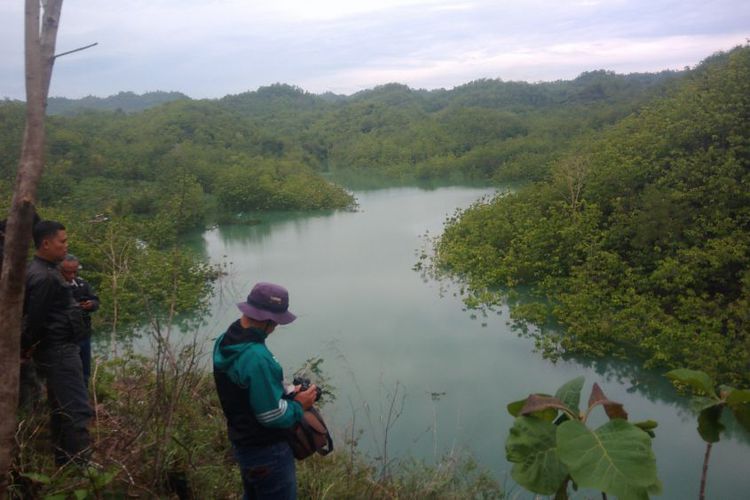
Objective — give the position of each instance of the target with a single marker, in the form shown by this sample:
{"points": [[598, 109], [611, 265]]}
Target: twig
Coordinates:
{"points": [[75, 50], [96, 404], [705, 471], [130, 477]]}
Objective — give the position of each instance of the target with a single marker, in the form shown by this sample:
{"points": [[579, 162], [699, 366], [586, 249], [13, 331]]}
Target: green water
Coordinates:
{"points": [[382, 330]]}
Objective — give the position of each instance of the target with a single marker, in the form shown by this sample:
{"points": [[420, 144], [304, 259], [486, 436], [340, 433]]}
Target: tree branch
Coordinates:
{"points": [[76, 50]]}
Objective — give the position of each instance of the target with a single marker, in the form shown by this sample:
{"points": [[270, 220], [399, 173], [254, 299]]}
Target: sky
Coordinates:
{"points": [[211, 48]]}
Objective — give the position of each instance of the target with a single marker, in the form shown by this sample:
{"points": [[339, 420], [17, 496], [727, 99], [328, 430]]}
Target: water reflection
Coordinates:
{"points": [[383, 330]]}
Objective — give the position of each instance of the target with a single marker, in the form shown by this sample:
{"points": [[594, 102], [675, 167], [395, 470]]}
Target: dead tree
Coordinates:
{"points": [[40, 37]]}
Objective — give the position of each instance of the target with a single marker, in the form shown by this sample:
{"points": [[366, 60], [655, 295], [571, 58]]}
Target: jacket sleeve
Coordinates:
{"points": [[93, 297], [39, 290], [266, 391]]}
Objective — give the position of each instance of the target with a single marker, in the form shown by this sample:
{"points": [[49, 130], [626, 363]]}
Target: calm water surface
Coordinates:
{"points": [[386, 335]]}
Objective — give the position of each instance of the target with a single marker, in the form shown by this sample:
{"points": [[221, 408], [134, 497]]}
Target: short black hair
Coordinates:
{"points": [[44, 230]]}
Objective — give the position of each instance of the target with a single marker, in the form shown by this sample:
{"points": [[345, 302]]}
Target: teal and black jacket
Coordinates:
{"points": [[249, 381]]}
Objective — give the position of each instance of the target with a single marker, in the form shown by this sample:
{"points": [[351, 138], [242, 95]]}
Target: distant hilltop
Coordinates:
{"points": [[127, 102], [588, 86]]}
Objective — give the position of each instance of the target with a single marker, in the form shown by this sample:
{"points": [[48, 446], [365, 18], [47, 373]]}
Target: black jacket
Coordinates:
{"points": [[51, 314], [82, 292]]}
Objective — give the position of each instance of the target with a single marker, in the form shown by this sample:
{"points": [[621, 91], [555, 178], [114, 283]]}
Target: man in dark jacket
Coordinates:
{"points": [[87, 301], [53, 326], [258, 408]]}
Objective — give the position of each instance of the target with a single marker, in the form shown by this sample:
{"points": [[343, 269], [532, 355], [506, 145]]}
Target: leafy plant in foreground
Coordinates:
{"points": [[710, 405], [550, 446]]}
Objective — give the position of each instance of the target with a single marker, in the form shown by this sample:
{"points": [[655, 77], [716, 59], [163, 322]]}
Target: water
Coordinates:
{"points": [[394, 345]]}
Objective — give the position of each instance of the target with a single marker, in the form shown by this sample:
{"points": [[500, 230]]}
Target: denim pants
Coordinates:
{"points": [[68, 398], [268, 472]]}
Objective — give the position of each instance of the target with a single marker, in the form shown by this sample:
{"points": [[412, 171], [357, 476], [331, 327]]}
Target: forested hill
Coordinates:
{"points": [[638, 243], [633, 230], [266, 149], [127, 102], [487, 129]]}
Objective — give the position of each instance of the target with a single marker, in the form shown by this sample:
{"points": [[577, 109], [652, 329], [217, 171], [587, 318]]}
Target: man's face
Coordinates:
{"points": [[55, 248], [69, 269]]}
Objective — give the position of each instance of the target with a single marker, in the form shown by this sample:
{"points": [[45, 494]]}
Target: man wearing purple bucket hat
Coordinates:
{"points": [[249, 381]]}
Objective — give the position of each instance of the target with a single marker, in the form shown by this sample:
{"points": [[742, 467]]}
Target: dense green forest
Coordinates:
{"points": [[636, 242], [627, 234], [127, 102], [631, 231], [266, 149]]}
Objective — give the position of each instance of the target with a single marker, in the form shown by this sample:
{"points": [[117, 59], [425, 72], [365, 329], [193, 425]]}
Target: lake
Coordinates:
{"points": [[387, 336]]}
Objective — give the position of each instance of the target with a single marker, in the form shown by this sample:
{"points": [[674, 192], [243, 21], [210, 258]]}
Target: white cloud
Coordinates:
{"points": [[207, 48], [556, 61]]}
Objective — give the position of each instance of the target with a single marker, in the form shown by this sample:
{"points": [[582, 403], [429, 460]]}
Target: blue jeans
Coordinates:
{"points": [[267, 471]]}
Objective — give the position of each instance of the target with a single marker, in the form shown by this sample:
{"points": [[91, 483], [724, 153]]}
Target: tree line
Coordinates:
{"points": [[635, 243]]}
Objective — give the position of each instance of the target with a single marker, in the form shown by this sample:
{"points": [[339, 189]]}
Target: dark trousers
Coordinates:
{"points": [[68, 398], [268, 472], [29, 389], [85, 346]]}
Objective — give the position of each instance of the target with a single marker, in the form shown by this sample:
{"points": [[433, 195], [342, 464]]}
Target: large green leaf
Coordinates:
{"points": [[615, 458], [532, 448], [709, 425], [570, 393], [698, 380]]}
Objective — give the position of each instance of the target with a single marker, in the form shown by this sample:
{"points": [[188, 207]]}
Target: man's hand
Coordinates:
{"points": [[307, 398]]}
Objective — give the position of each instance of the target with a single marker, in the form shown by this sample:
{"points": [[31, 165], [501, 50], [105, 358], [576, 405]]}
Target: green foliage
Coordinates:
{"points": [[134, 405], [711, 403], [172, 161], [570, 393], [700, 381], [118, 154], [532, 448], [140, 272], [637, 243], [122, 102], [615, 458], [276, 185]]}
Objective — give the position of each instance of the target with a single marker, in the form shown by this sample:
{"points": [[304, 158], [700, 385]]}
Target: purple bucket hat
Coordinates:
{"points": [[268, 302]]}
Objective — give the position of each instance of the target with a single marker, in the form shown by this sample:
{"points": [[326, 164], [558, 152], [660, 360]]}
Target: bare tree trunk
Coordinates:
{"points": [[40, 50], [571, 175]]}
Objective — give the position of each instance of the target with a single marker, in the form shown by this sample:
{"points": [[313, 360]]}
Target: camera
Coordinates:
{"points": [[304, 384]]}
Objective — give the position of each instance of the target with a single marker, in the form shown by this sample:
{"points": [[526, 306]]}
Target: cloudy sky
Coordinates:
{"points": [[210, 48]]}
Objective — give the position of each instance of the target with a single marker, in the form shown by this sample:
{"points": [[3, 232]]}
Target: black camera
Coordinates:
{"points": [[304, 384]]}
